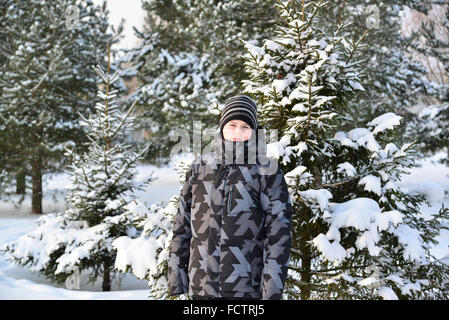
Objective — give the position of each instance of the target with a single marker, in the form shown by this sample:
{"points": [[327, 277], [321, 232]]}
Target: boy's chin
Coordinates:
{"points": [[235, 139]]}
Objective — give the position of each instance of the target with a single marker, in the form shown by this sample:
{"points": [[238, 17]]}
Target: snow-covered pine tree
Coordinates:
{"points": [[174, 92], [393, 78], [190, 60], [46, 80], [146, 256], [10, 171], [212, 28], [433, 128], [80, 238], [371, 240], [433, 124]]}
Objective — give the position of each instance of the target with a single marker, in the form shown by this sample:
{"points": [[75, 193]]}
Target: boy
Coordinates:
{"points": [[232, 233]]}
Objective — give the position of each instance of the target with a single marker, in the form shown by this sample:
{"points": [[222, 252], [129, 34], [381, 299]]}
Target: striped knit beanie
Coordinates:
{"points": [[239, 107]]}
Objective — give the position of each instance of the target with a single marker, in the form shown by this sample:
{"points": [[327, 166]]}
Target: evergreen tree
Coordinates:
{"points": [[190, 60], [46, 80], [371, 240], [393, 80], [175, 93], [4, 46], [80, 238], [6, 178], [433, 124]]}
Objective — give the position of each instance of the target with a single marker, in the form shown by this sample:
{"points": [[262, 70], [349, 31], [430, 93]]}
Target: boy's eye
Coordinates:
{"points": [[233, 125]]}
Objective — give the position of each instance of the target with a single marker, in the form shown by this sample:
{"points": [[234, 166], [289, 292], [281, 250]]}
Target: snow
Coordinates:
{"points": [[332, 251], [146, 251], [384, 122], [433, 191], [302, 93], [283, 84], [430, 111], [363, 137], [279, 148], [387, 293], [412, 242], [383, 219], [347, 168], [372, 184], [292, 177], [298, 24], [356, 85], [358, 137], [20, 283], [321, 197], [272, 46], [358, 213]]}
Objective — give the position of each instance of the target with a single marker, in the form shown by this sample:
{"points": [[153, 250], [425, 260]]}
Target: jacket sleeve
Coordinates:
{"points": [[275, 202], [179, 252]]}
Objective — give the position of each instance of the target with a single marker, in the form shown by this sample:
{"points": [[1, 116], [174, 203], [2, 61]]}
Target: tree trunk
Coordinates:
{"points": [[106, 277], [308, 232], [36, 198], [21, 182], [306, 259]]}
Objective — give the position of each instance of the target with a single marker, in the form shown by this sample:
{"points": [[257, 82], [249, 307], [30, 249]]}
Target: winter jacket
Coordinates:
{"points": [[232, 231]]}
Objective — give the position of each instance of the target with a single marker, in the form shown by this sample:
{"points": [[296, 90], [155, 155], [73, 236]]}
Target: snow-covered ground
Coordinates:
{"points": [[19, 283]]}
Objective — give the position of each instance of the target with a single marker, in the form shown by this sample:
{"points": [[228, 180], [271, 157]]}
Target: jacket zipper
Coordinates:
{"points": [[229, 200], [224, 191], [226, 179]]}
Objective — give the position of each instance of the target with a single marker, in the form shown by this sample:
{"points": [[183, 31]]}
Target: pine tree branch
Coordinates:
{"points": [[337, 184], [107, 94], [303, 11], [123, 122], [132, 161], [66, 93], [286, 9], [50, 68], [39, 83], [309, 111], [340, 12], [354, 48], [5, 52], [85, 178], [105, 163]]}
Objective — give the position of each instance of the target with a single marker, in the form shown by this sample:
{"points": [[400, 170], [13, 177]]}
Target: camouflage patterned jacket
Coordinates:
{"points": [[232, 232]]}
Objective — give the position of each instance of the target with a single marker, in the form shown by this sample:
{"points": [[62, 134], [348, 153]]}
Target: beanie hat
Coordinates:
{"points": [[239, 107]]}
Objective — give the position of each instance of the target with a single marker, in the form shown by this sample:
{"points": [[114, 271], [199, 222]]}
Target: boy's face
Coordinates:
{"points": [[237, 130]]}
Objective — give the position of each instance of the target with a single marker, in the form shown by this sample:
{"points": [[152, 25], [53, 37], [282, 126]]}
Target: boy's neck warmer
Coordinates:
{"points": [[239, 152], [236, 152]]}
